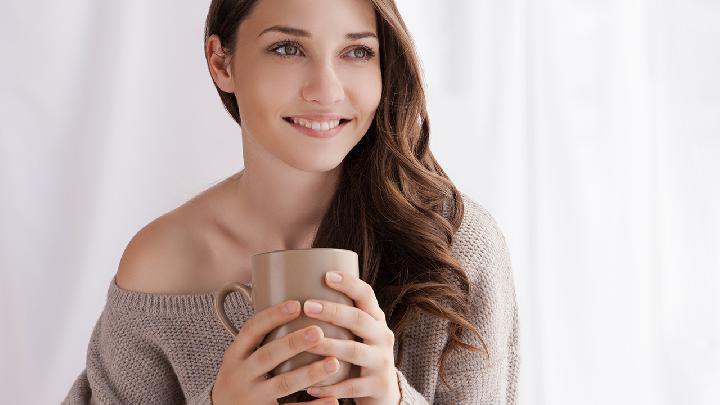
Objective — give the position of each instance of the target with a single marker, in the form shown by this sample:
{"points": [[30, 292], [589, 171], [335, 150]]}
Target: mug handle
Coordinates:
{"points": [[220, 303]]}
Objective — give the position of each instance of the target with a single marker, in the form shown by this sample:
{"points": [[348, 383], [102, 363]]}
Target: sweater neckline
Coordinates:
{"points": [[199, 303], [172, 304]]}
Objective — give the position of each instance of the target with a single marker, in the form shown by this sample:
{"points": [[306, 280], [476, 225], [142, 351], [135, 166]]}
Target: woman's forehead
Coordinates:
{"points": [[312, 17]]}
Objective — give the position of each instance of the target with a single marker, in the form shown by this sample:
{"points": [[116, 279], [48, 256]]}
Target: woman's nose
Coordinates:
{"points": [[324, 86]]}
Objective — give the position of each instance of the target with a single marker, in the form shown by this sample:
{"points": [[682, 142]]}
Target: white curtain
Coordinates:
{"points": [[589, 128]]}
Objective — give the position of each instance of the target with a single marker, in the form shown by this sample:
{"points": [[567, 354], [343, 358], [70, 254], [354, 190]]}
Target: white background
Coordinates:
{"points": [[589, 128]]}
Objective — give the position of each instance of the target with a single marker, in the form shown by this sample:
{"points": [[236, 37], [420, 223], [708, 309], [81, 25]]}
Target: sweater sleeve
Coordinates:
{"points": [[204, 397], [408, 394], [489, 375], [125, 364], [492, 377]]}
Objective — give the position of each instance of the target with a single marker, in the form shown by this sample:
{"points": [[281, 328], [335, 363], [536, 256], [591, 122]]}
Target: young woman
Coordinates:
{"points": [[329, 98]]}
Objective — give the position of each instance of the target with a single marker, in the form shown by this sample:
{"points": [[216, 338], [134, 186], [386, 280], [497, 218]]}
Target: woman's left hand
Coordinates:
{"points": [[378, 383]]}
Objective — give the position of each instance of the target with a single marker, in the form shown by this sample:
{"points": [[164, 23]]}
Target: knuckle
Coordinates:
{"points": [[248, 330], [237, 349], [294, 341], [355, 354], [390, 337], [317, 372], [283, 384], [377, 304], [368, 289], [264, 356], [358, 317], [351, 390], [320, 371], [250, 324]]}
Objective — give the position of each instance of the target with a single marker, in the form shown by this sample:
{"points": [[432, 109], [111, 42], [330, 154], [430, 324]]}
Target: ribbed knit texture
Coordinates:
{"points": [[167, 349]]}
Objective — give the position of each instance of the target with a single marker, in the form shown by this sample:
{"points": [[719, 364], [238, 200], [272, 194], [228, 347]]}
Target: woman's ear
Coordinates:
{"points": [[219, 64]]}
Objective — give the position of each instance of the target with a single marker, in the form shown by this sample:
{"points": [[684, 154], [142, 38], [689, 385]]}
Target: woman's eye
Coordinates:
{"points": [[290, 49], [362, 53]]}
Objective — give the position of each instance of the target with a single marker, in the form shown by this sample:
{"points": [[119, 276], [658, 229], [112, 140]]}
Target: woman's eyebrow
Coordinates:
{"points": [[302, 33]]}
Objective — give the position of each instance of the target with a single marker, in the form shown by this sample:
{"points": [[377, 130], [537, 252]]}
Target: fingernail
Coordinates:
{"points": [[311, 335], [291, 307], [313, 391], [330, 365], [313, 307], [333, 277]]}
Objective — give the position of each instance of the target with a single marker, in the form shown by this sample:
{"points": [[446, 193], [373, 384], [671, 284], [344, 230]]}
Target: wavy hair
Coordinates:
{"points": [[394, 205]]}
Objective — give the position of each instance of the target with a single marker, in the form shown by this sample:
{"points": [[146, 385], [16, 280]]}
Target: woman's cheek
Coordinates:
{"points": [[368, 90]]}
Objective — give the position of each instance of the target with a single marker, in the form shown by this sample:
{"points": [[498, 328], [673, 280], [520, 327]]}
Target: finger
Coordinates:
{"points": [[351, 318], [319, 401], [259, 325], [359, 291], [271, 354], [292, 381], [350, 388], [354, 352]]}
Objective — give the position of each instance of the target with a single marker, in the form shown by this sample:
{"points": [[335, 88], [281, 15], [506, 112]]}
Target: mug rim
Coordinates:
{"points": [[300, 249]]}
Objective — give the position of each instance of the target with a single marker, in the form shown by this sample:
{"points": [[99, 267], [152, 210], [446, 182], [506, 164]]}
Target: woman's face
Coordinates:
{"points": [[275, 75]]}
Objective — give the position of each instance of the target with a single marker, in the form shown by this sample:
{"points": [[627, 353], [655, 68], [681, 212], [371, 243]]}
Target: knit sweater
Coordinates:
{"points": [[167, 348]]}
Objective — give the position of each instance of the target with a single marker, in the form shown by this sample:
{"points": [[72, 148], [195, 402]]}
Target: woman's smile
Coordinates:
{"points": [[317, 129]]}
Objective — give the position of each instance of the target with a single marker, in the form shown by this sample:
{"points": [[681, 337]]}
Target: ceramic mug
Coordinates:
{"points": [[296, 274]]}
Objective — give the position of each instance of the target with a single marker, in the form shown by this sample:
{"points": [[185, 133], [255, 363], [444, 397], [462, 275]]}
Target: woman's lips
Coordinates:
{"points": [[318, 134]]}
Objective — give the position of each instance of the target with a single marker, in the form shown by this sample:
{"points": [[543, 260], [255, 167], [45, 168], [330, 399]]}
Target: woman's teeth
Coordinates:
{"points": [[317, 125]]}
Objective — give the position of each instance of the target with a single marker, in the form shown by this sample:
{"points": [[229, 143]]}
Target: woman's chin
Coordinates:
{"points": [[315, 164]]}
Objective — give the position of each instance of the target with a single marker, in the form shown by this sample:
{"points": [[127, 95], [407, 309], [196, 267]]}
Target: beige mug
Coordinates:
{"points": [[296, 274]]}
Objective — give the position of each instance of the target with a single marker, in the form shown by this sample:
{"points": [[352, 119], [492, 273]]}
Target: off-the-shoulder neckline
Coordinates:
{"points": [[170, 304], [202, 303]]}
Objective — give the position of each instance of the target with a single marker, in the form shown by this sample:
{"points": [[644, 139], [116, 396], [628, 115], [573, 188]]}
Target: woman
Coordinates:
{"points": [[329, 98]]}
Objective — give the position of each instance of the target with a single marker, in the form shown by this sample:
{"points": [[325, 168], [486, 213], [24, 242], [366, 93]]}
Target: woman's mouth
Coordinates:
{"points": [[317, 129]]}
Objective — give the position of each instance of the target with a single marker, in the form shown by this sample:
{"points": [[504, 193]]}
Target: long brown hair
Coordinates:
{"points": [[394, 205]]}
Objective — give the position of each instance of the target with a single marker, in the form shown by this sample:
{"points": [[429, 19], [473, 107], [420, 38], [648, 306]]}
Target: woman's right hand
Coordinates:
{"points": [[241, 378]]}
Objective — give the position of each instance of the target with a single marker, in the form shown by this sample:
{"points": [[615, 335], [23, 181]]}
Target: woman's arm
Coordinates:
{"points": [[124, 364], [472, 377]]}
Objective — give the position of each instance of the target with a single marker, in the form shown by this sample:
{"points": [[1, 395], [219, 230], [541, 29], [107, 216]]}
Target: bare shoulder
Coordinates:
{"points": [[162, 256], [184, 251]]}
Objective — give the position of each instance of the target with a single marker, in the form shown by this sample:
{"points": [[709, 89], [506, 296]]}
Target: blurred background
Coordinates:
{"points": [[590, 129]]}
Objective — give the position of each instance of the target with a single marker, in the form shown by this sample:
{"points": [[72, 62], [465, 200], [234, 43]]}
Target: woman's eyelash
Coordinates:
{"points": [[369, 53]]}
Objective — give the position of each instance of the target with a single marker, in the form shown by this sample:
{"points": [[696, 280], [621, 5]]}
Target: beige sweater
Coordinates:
{"points": [[167, 349]]}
